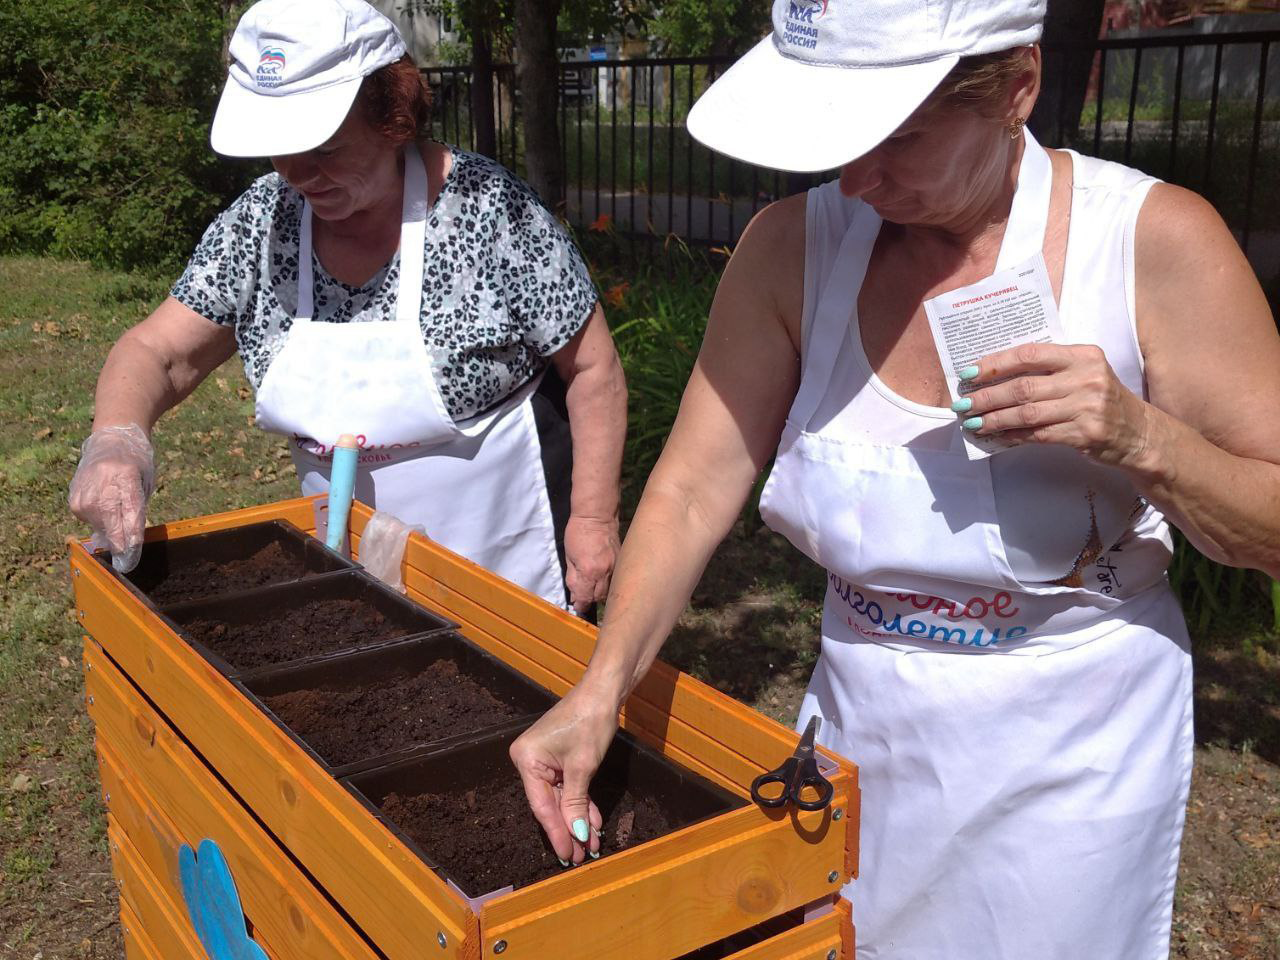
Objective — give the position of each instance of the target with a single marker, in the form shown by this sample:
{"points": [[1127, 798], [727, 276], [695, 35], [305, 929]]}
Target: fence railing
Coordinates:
{"points": [[1199, 110]]}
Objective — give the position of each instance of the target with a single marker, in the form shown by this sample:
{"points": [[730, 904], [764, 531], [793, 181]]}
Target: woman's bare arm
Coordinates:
{"points": [[729, 424], [1212, 459], [596, 398], [157, 363]]}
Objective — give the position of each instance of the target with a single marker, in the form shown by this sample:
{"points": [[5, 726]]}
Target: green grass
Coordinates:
{"points": [[57, 321]]}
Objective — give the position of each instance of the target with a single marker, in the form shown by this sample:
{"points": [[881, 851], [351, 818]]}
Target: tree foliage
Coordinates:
{"points": [[105, 109]]}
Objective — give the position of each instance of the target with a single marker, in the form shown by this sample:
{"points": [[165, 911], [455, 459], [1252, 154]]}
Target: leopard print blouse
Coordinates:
{"points": [[503, 287]]}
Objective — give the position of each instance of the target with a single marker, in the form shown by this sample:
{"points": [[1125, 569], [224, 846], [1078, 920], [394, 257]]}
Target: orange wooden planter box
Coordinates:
{"points": [[185, 756]]}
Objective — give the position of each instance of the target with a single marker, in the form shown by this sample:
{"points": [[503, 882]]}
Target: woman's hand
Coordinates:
{"points": [[110, 490], [1064, 394], [557, 758], [590, 552]]}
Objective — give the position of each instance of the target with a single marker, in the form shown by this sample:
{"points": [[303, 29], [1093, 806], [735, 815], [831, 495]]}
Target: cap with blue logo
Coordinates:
{"points": [[835, 77], [296, 66]]}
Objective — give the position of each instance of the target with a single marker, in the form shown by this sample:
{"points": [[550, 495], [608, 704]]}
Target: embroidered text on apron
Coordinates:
{"points": [[478, 487]]}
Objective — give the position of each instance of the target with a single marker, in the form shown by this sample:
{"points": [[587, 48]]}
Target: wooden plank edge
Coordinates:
{"points": [[417, 881], [315, 918], [160, 918]]}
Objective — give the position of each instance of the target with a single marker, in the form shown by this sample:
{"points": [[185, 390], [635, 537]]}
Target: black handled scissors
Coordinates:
{"points": [[799, 771]]}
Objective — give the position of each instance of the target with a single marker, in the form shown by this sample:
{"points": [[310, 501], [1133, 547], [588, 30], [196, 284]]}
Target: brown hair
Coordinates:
{"points": [[397, 101], [981, 83]]}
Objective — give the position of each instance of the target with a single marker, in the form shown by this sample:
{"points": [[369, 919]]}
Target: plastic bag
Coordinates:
{"points": [[382, 548], [110, 489]]}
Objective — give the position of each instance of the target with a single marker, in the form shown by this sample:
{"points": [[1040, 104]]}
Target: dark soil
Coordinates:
{"points": [[486, 838], [355, 722], [203, 578], [317, 626]]}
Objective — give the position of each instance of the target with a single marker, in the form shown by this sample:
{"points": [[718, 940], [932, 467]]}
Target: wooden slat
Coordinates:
{"points": [[168, 931], [848, 935], [137, 945], [391, 894], [682, 891], [169, 798], [810, 941]]}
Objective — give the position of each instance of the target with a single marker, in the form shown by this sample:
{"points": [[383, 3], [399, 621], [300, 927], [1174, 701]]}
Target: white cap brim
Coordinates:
{"points": [[249, 124], [787, 114]]}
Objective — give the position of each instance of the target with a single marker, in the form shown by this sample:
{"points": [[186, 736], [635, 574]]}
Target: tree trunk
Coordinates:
{"points": [[538, 81], [1076, 23], [479, 26]]}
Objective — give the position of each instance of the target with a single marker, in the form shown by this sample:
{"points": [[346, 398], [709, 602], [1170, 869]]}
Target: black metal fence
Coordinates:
{"points": [[1198, 110]]}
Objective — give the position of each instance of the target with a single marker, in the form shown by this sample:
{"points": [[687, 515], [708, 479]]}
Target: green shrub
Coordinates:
{"points": [[104, 119]]}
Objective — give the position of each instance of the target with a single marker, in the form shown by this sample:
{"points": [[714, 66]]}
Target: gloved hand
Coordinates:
{"points": [[110, 490]]}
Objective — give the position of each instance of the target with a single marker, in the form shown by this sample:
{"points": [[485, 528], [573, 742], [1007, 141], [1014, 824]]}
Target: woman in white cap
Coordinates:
{"points": [[1001, 653], [387, 286]]}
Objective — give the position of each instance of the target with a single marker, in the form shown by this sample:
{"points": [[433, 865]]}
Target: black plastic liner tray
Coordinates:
{"points": [[269, 605], [206, 553], [398, 660], [685, 797]]}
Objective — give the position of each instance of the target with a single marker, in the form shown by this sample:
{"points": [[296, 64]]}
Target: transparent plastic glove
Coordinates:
{"points": [[110, 490], [382, 548]]}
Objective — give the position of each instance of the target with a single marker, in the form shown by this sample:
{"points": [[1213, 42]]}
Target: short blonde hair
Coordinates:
{"points": [[981, 83]]}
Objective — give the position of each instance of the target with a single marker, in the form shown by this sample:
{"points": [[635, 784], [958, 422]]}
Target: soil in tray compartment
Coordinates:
{"points": [[352, 723], [200, 578], [486, 838], [317, 626]]}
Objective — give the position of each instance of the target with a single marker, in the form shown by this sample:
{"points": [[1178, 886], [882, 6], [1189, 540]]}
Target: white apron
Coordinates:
{"points": [[478, 488], [1025, 747]]}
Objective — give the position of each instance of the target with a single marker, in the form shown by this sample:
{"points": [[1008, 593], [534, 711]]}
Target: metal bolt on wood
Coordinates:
{"points": [[440, 939], [831, 955], [833, 876], [838, 814], [107, 798], [91, 699], [500, 946]]}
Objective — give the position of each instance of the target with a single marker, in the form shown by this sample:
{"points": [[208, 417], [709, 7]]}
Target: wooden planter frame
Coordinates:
{"points": [[184, 755]]}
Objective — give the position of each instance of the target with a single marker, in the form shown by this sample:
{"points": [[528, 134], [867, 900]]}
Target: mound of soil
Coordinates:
{"points": [[355, 722], [485, 838], [205, 577], [315, 627]]}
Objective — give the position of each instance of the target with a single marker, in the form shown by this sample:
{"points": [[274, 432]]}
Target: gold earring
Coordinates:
{"points": [[1015, 128]]}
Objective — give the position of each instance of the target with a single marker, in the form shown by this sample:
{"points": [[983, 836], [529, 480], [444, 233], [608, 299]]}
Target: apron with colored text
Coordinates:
{"points": [[477, 487], [1001, 654]]}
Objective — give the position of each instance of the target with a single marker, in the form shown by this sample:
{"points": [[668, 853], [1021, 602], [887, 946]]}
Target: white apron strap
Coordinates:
{"points": [[1029, 214], [831, 317], [413, 236]]}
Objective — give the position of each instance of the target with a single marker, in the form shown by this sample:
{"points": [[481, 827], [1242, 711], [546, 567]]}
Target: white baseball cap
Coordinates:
{"points": [[296, 66], [835, 77]]}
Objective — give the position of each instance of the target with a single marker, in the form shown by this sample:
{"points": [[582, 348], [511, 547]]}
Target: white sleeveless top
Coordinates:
{"points": [[936, 547], [1024, 747]]}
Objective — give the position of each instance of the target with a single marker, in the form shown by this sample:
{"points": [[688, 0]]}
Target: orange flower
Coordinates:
{"points": [[601, 223], [615, 295]]}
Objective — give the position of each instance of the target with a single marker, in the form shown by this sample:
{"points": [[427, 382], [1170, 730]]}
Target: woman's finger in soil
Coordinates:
{"points": [[597, 822], [546, 810], [575, 806]]}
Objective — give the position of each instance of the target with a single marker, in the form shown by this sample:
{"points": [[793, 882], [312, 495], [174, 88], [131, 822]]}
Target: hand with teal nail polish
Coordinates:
{"points": [[580, 830], [963, 405], [973, 423], [968, 373]]}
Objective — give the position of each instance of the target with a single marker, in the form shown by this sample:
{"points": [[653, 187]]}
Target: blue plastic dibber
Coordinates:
{"points": [[342, 486]]}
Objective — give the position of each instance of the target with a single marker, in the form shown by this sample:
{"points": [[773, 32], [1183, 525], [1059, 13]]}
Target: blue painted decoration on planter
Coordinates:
{"points": [[213, 904]]}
